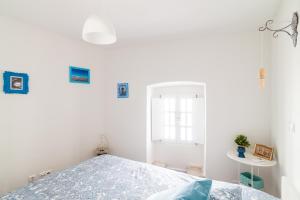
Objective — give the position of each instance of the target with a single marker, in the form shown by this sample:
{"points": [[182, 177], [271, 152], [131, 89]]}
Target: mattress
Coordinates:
{"points": [[110, 177]]}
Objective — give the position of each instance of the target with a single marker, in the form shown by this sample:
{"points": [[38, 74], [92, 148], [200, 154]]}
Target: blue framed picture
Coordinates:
{"points": [[79, 75], [15, 83], [123, 90]]}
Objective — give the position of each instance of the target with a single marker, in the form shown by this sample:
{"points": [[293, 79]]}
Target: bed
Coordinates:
{"points": [[110, 177]]}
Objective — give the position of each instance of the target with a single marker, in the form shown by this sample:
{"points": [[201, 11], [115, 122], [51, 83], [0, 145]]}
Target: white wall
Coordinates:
{"points": [[227, 63], [58, 123], [286, 98]]}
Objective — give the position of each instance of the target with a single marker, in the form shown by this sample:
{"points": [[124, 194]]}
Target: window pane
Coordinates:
{"points": [[189, 119], [178, 119], [182, 119], [189, 105], [189, 134], [172, 104], [172, 132], [167, 118], [167, 132], [172, 118], [169, 104], [182, 105], [182, 133], [166, 104]]}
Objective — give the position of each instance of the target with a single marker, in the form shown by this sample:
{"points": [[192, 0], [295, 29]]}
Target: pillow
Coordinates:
{"points": [[164, 195], [197, 190]]}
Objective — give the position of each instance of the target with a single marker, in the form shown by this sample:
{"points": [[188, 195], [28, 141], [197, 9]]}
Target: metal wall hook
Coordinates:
{"points": [[293, 26]]}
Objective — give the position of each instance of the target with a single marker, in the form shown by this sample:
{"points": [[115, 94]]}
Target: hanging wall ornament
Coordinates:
{"points": [[291, 29]]}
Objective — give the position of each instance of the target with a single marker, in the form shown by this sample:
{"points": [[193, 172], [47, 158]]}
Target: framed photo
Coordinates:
{"points": [[123, 91], [79, 75], [263, 151], [15, 83]]}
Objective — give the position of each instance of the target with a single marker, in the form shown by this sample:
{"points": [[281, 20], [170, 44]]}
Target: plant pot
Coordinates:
{"points": [[241, 151]]}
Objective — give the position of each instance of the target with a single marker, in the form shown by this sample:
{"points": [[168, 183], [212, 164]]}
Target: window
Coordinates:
{"points": [[169, 119], [178, 119], [186, 119]]}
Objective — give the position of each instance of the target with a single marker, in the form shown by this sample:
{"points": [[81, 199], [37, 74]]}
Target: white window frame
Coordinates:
{"points": [[172, 119]]}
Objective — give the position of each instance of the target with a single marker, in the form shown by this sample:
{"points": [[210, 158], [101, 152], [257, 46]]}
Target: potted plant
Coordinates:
{"points": [[242, 142]]}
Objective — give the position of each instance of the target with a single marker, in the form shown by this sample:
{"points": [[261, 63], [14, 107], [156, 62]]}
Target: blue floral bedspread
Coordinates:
{"points": [[109, 177]]}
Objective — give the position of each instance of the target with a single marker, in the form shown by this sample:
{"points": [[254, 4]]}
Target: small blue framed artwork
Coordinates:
{"points": [[79, 75], [15, 83], [123, 90]]}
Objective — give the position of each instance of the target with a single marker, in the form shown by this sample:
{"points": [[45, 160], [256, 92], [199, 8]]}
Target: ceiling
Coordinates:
{"points": [[143, 19]]}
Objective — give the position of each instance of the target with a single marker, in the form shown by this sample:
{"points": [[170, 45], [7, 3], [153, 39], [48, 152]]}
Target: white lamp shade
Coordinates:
{"points": [[98, 31]]}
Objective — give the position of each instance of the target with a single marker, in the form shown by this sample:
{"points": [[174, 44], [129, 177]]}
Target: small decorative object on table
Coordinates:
{"points": [[103, 146], [242, 142], [263, 151]]}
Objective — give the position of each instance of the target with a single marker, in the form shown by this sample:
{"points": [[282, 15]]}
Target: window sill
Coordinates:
{"points": [[176, 142]]}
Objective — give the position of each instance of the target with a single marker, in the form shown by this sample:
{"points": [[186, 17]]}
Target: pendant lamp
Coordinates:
{"points": [[98, 31]]}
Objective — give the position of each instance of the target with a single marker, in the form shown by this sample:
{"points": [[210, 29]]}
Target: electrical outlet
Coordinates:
{"points": [[31, 178]]}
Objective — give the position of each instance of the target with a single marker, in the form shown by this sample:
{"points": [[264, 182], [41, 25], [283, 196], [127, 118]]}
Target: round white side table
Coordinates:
{"points": [[250, 160]]}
